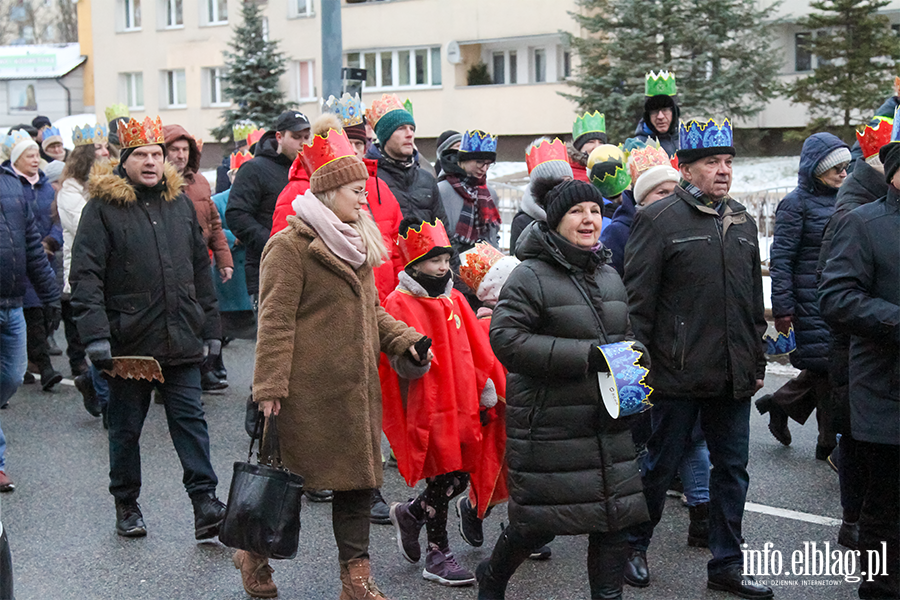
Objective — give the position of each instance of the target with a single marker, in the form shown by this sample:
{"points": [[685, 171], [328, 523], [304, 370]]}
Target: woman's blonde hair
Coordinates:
{"points": [[376, 253]]}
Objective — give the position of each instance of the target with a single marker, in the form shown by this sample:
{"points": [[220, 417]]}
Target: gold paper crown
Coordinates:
{"points": [[388, 103], [641, 159], [116, 111], [146, 133]]}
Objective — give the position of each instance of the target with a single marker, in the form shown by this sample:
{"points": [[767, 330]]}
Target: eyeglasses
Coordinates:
{"points": [[363, 193]]}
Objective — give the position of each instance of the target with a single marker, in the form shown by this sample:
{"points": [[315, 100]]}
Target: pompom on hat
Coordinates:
{"points": [[329, 158]]}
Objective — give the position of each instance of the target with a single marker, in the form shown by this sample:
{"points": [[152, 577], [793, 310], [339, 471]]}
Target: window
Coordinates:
{"points": [[505, 65], [176, 93], [802, 55], [397, 69], [174, 10], [304, 72], [565, 68], [132, 14], [134, 90], [300, 8], [499, 64], [215, 83], [216, 11], [540, 65]]}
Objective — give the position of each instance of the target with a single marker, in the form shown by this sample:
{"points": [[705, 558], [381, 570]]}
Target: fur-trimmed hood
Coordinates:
{"points": [[106, 183], [575, 155]]}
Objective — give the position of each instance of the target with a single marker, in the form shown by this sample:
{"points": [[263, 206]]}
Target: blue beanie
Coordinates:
{"points": [[388, 124]]}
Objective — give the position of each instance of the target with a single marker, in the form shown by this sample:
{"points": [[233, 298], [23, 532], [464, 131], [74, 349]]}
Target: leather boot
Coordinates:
{"points": [[606, 567], [493, 575], [256, 574], [357, 582], [698, 530]]}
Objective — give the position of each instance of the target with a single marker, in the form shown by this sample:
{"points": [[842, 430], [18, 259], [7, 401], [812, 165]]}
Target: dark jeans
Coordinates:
{"points": [[74, 347], [852, 474], [350, 521], [128, 404], [807, 392], [879, 520], [725, 422], [38, 348]]}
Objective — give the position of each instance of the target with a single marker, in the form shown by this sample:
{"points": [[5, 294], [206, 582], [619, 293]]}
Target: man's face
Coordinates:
{"points": [[711, 174], [145, 165], [402, 143], [661, 119], [290, 142], [56, 151], [589, 145], [360, 147], [179, 152], [40, 134]]}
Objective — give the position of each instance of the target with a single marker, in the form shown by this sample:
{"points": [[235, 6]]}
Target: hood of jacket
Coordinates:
{"points": [[576, 156], [298, 171], [530, 206], [110, 185], [173, 133], [645, 126], [538, 242], [449, 161], [815, 149], [268, 146]]}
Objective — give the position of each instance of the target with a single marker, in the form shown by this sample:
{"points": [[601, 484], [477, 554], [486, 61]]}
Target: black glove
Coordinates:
{"points": [[596, 361], [100, 354], [422, 347], [52, 316]]}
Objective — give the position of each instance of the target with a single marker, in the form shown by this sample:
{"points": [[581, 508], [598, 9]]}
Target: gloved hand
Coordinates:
{"points": [[783, 324], [52, 315], [422, 347], [596, 361], [212, 348], [100, 354]]}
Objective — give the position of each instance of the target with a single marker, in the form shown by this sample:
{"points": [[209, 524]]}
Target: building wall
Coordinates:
{"points": [[50, 95]]}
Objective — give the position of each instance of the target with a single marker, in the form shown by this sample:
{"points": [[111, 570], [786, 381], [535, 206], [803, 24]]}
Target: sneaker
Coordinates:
{"points": [[542, 553], [408, 528], [441, 566], [209, 512], [6, 484], [470, 526], [85, 385], [129, 520], [379, 513]]}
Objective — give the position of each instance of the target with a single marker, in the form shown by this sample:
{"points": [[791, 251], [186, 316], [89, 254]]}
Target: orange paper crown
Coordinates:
{"points": [[238, 158], [475, 263], [254, 136], [379, 108], [324, 150], [137, 133], [873, 138], [545, 152], [417, 243], [641, 159]]}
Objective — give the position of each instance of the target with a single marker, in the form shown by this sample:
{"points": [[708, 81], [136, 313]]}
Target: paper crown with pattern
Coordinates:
{"points": [[782, 343], [589, 123], [387, 103], [237, 159], [322, 150], [699, 135], [641, 157], [623, 389], [873, 137], [348, 109], [544, 152], [141, 133], [606, 170], [52, 131], [14, 138], [418, 242], [660, 84], [116, 111], [475, 264], [241, 130], [477, 141], [90, 134]]}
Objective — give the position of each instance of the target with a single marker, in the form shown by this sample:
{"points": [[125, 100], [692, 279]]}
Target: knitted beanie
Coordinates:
{"points": [[651, 178], [890, 156], [20, 148], [447, 139], [489, 289], [833, 159], [566, 195], [586, 137], [356, 132], [552, 169], [388, 124]]}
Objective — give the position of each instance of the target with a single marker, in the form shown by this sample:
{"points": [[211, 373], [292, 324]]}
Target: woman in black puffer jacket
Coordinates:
{"points": [[572, 468]]}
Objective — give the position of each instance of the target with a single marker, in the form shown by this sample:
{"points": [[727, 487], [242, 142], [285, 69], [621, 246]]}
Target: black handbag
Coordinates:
{"points": [[263, 512]]}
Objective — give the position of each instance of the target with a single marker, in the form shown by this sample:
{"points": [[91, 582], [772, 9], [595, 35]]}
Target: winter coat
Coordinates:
{"points": [[415, 189], [321, 329], [695, 297], [615, 235], [572, 468], [232, 294], [453, 205], [70, 201], [860, 296], [670, 140], [528, 211], [140, 270], [198, 191], [799, 224], [578, 162], [22, 255], [251, 204]]}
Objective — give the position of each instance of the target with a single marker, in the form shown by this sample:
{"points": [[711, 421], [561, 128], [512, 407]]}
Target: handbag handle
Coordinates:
{"points": [[269, 447]]}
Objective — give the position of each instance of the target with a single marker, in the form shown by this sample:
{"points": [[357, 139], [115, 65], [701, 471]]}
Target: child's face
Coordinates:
{"points": [[436, 266]]}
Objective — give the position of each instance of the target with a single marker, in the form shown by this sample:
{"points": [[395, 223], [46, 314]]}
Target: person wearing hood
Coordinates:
{"points": [[257, 185], [661, 112], [547, 160], [799, 225], [588, 132], [449, 140], [141, 286]]}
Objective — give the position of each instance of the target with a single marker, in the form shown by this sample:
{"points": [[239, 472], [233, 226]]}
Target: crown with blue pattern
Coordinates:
{"points": [[13, 139], [780, 344], [704, 138], [348, 108], [623, 389], [478, 144], [90, 134], [52, 131]]}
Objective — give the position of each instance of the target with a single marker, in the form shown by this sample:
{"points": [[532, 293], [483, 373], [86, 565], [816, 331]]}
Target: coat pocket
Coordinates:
{"points": [[128, 313]]}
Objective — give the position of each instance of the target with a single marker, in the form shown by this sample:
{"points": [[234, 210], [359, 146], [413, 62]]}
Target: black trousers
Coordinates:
{"points": [[807, 392], [350, 521], [74, 347], [37, 332], [879, 520]]}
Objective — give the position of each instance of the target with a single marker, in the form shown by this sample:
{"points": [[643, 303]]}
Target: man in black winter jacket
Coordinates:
{"points": [[695, 298], [257, 185]]}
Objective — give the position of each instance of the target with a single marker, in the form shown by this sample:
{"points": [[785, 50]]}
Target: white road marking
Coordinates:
{"points": [[790, 514]]}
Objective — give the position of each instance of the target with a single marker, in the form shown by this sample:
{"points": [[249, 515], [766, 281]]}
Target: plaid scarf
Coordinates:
{"points": [[478, 211], [697, 193]]}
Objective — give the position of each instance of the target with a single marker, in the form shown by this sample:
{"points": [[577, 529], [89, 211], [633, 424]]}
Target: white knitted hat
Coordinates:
{"points": [[22, 143], [651, 178], [489, 290]]}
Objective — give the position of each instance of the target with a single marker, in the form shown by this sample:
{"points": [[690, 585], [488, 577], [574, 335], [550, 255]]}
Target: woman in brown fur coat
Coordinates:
{"points": [[321, 329]]}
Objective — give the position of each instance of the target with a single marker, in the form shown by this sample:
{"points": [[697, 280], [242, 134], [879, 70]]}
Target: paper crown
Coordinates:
{"points": [[90, 134], [141, 133], [14, 138], [589, 123], [254, 136], [116, 111], [545, 151], [780, 344], [475, 264], [697, 135], [660, 84], [872, 138], [241, 131], [407, 105], [640, 158], [607, 172], [623, 389], [325, 149], [387, 103], [477, 141], [418, 242], [237, 159], [52, 132], [348, 109]]}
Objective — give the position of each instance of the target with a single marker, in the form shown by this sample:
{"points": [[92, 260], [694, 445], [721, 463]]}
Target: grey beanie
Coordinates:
{"points": [[552, 169], [833, 159], [54, 170]]}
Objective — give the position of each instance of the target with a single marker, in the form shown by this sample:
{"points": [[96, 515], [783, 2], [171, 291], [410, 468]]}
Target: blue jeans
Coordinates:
{"points": [[13, 360], [128, 404], [725, 423], [694, 468]]}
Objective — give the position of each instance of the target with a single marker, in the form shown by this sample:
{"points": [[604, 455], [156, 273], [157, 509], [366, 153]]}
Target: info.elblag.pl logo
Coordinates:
{"points": [[814, 560]]}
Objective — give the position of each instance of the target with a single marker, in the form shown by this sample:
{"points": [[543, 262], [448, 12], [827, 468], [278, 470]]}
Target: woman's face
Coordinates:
{"points": [[56, 151], [29, 162], [581, 224], [659, 192], [101, 151], [834, 176], [349, 200], [436, 266]]}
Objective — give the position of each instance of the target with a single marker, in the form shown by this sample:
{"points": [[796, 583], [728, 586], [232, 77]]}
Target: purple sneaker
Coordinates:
{"points": [[408, 528], [442, 567]]}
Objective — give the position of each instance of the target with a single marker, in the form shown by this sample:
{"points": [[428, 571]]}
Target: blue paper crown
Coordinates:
{"points": [[478, 141], [51, 131], [781, 344], [632, 392], [698, 135], [90, 134], [13, 139]]}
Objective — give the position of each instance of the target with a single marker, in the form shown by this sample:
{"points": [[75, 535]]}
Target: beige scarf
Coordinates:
{"points": [[344, 241]]}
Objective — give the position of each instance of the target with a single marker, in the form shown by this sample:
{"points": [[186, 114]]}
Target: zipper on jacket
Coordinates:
{"points": [[679, 343], [696, 238]]}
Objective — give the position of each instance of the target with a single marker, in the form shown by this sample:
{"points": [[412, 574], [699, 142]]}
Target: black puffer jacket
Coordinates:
{"points": [[572, 468], [695, 297], [415, 188], [140, 270]]}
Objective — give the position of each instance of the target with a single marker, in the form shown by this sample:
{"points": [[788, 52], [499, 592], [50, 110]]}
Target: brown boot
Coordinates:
{"points": [[357, 583], [256, 574]]}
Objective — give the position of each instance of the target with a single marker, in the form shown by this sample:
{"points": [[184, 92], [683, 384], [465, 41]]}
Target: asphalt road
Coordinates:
{"points": [[61, 517]]}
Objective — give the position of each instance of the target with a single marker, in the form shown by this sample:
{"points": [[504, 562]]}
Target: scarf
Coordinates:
{"points": [[33, 179], [693, 190], [478, 211], [344, 241], [433, 285]]}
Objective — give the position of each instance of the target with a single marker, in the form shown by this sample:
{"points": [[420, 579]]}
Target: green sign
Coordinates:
{"points": [[33, 61]]}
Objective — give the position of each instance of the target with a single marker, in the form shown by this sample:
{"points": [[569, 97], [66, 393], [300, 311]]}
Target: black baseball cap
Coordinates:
{"points": [[291, 120]]}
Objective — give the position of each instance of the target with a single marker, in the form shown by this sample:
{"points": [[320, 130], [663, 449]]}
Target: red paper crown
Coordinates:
{"points": [[254, 136], [674, 162], [417, 243], [873, 138], [545, 152], [238, 158], [137, 133], [323, 150], [475, 263], [641, 159]]}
